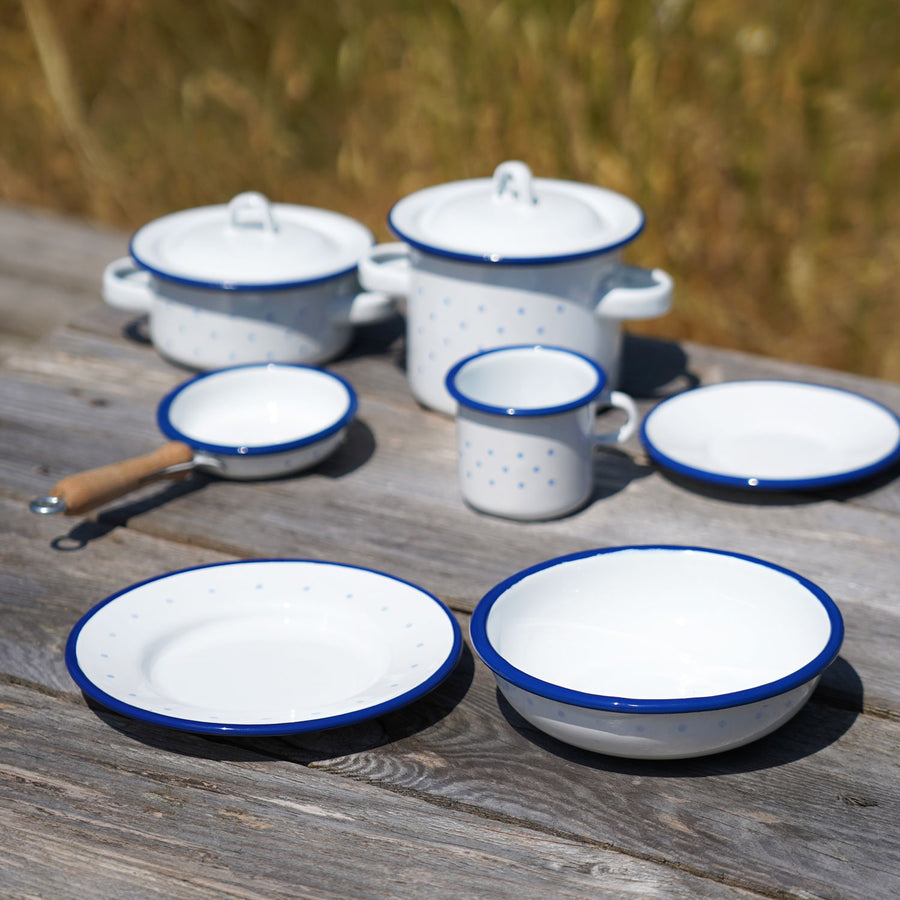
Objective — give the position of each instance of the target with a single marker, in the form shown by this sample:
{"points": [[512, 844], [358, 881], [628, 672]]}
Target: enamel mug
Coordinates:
{"points": [[526, 429]]}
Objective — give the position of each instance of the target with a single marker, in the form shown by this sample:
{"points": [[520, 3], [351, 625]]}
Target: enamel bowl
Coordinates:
{"points": [[657, 652]]}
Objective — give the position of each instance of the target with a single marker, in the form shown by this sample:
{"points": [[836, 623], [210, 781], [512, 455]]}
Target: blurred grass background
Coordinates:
{"points": [[762, 138]]}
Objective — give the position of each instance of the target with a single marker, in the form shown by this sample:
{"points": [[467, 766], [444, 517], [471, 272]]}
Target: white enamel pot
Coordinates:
{"points": [[263, 420], [247, 282], [510, 260]]}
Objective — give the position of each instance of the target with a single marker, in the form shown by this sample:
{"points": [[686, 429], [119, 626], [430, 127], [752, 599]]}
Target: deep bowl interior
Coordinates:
{"points": [[258, 406], [659, 623]]}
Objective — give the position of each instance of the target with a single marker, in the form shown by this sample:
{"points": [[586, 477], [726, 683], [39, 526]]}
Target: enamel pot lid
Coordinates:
{"points": [[515, 218], [250, 244]]}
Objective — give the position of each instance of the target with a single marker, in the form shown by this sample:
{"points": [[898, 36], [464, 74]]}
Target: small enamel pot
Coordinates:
{"points": [[247, 282], [526, 429]]}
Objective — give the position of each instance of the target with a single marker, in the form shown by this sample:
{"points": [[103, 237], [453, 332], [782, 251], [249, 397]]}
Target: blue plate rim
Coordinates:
{"points": [[199, 726], [770, 484], [170, 431]]}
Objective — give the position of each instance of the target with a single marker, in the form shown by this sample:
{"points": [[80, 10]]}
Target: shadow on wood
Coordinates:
{"points": [[355, 451], [653, 368], [307, 747], [820, 723], [614, 470], [106, 521], [756, 497]]}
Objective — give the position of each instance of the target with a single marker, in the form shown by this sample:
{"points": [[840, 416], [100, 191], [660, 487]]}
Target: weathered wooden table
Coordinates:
{"points": [[453, 795]]}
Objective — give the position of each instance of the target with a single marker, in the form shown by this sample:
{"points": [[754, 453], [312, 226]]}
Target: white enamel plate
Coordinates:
{"points": [[772, 435], [263, 647]]}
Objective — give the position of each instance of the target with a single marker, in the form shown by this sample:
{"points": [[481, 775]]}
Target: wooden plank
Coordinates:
{"points": [[68, 253], [810, 810], [810, 806], [93, 805]]}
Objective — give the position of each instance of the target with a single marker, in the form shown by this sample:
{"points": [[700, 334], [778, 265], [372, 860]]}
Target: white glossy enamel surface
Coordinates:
{"points": [[769, 433], [250, 242], [259, 421], [515, 216], [657, 652], [527, 378], [259, 406], [265, 643], [658, 625]]}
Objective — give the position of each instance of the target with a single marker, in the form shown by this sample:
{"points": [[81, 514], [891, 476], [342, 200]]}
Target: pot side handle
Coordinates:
{"points": [[76, 494], [636, 293], [386, 268], [365, 308], [127, 286]]}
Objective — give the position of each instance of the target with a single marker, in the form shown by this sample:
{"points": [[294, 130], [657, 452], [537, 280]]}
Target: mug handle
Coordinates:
{"points": [[636, 293], [127, 286], [623, 402], [386, 268]]}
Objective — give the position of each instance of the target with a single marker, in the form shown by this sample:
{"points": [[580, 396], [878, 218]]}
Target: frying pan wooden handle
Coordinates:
{"points": [[79, 493]]}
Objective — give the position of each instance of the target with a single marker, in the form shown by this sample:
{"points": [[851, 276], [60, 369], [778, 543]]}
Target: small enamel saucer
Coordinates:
{"points": [[772, 435]]}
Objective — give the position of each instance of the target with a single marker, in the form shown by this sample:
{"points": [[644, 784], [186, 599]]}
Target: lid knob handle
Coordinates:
{"points": [[251, 210], [513, 184]]}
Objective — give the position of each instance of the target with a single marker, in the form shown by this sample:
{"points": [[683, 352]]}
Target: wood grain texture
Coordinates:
{"points": [[454, 795], [115, 813], [389, 499]]}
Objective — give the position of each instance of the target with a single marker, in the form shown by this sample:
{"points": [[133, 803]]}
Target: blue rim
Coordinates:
{"points": [[203, 727], [771, 484], [495, 259], [232, 285], [524, 412], [494, 661], [170, 431]]}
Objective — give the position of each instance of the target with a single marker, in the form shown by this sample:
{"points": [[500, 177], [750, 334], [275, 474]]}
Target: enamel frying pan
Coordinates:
{"points": [[247, 422]]}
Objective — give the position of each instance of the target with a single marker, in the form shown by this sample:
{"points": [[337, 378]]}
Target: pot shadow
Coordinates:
{"points": [[355, 451], [653, 369], [138, 331], [303, 748], [829, 714], [378, 338]]}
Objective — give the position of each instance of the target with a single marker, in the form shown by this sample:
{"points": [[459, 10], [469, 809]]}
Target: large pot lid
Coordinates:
{"points": [[250, 244], [516, 218]]}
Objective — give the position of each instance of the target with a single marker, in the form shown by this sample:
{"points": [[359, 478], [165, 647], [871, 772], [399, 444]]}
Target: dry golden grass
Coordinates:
{"points": [[762, 138]]}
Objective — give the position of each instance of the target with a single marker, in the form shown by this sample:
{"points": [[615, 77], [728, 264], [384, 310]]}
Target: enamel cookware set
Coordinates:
{"points": [[515, 291]]}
